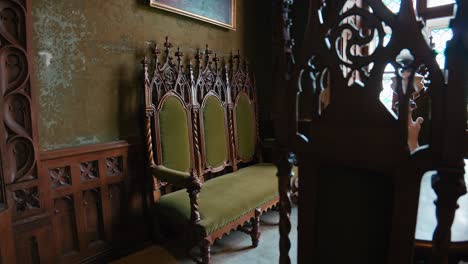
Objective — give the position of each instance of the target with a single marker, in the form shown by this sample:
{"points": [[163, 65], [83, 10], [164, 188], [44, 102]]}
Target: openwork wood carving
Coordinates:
{"points": [[114, 166], [17, 135], [60, 177], [89, 170], [347, 46], [26, 199]]}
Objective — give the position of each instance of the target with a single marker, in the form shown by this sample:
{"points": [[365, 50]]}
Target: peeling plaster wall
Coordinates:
{"points": [[87, 63]]}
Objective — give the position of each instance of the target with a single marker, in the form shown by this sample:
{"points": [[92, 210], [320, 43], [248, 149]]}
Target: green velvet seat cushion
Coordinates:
{"points": [[214, 127], [174, 133], [245, 127], [223, 199]]}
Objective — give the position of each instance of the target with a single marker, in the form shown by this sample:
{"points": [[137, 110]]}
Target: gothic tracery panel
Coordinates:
{"points": [[26, 199], [17, 123], [60, 177], [114, 166], [89, 170]]}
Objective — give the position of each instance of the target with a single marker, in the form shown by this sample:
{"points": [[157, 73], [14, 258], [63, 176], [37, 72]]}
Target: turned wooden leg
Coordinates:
{"points": [[284, 162], [449, 185], [205, 249], [255, 234]]}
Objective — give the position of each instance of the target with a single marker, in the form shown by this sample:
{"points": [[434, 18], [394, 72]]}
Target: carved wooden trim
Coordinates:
{"points": [[80, 150], [19, 195], [227, 229], [18, 130]]}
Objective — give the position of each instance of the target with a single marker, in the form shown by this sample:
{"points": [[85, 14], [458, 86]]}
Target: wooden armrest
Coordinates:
{"points": [[182, 180], [174, 177]]}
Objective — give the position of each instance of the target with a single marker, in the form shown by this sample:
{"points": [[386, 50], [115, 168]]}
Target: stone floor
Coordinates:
{"points": [[426, 213], [232, 249], [236, 248]]}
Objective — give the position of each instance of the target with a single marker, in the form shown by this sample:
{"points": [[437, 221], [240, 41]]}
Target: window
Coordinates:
{"points": [[438, 32]]}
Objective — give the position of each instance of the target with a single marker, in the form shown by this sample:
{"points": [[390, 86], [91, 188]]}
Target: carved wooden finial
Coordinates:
{"points": [[145, 62], [208, 52], [216, 61], [198, 60], [231, 61], [226, 74], [237, 58], [179, 54], [156, 53], [167, 49], [190, 71]]}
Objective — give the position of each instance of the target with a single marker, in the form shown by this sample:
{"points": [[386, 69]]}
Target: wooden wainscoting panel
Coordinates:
{"points": [[7, 247], [90, 196], [64, 221], [33, 244]]}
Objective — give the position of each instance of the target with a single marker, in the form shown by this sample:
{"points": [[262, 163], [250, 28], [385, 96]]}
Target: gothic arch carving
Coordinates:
{"points": [[18, 135]]}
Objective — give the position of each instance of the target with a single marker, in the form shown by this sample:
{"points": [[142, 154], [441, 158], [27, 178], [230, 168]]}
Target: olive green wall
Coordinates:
{"points": [[87, 62]]}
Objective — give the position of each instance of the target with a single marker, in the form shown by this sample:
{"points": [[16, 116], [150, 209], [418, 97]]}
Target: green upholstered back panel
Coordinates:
{"points": [[245, 127], [174, 132], [214, 127]]}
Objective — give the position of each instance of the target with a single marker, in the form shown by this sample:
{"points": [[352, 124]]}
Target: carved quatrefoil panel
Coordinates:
{"points": [[60, 177], [26, 199], [89, 170], [114, 166]]}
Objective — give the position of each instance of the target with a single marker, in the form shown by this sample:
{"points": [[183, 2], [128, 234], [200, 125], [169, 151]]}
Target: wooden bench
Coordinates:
{"points": [[201, 121]]}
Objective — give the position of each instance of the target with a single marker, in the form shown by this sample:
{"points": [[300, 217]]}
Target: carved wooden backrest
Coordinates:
{"points": [[168, 96], [211, 89], [205, 95], [244, 111], [355, 141]]}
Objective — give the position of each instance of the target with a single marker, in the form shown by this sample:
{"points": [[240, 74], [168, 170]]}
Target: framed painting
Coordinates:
{"points": [[218, 12]]}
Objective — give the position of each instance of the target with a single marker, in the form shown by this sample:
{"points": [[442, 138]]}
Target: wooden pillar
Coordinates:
{"points": [[449, 183]]}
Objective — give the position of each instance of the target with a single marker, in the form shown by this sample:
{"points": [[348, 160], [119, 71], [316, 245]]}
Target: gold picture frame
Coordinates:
{"points": [[218, 12]]}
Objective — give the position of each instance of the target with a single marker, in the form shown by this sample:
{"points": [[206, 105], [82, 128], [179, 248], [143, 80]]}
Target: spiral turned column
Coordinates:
{"points": [[284, 162]]}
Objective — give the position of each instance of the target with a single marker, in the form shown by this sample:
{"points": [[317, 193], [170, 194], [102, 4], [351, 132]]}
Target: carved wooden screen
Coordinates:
{"points": [[351, 129], [19, 195], [18, 133]]}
